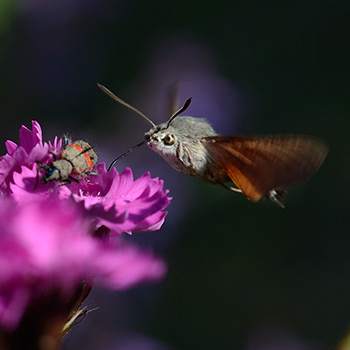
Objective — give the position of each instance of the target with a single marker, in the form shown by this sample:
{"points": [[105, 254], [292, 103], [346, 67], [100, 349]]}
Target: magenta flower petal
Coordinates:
{"points": [[142, 201], [130, 267], [12, 306], [10, 146], [109, 199], [28, 139], [30, 149], [46, 247]]}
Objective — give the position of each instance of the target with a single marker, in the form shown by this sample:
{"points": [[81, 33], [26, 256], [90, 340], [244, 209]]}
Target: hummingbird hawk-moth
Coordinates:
{"points": [[259, 166]]}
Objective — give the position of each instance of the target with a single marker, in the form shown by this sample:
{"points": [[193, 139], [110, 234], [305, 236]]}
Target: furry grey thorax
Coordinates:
{"points": [[181, 144]]}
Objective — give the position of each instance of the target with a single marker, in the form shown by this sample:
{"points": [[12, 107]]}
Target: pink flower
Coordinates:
{"points": [[114, 200], [55, 236], [31, 149], [110, 197], [46, 248]]}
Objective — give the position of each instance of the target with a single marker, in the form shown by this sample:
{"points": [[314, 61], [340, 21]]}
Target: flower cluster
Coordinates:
{"points": [[109, 198], [56, 237]]}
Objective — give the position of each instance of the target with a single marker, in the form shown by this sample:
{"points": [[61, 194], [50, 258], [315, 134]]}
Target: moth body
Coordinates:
{"points": [[182, 145], [259, 166]]}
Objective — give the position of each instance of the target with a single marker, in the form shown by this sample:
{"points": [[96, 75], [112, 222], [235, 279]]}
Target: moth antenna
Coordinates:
{"points": [[115, 161], [173, 99], [182, 109], [123, 103]]}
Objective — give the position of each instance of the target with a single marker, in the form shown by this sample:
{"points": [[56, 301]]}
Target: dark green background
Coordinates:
{"points": [[241, 275]]}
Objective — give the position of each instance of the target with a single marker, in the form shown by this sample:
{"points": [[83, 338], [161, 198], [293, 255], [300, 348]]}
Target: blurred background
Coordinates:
{"points": [[241, 275]]}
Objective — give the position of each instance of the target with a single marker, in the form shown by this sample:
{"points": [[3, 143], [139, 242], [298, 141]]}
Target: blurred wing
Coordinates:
{"points": [[258, 165]]}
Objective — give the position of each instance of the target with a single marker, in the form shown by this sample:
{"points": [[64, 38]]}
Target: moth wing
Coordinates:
{"points": [[258, 165]]}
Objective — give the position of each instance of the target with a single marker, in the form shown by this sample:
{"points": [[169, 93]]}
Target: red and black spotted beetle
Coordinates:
{"points": [[76, 157]]}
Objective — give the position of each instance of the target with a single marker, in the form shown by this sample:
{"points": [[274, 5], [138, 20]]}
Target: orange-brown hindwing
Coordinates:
{"points": [[258, 165]]}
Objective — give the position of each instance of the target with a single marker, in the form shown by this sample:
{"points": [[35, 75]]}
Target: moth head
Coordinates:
{"points": [[161, 137]]}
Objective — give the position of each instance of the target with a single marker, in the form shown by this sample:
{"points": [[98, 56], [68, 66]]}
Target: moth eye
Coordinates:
{"points": [[169, 139]]}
